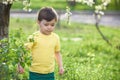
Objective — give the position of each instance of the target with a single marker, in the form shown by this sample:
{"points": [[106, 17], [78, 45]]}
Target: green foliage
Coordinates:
{"points": [[4, 59], [26, 3], [18, 52], [88, 58], [37, 4], [12, 53]]}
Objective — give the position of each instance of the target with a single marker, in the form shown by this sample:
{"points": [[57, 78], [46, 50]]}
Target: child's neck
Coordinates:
{"points": [[44, 33]]}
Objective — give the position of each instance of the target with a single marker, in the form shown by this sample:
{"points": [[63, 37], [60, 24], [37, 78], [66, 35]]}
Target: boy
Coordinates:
{"points": [[45, 47]]}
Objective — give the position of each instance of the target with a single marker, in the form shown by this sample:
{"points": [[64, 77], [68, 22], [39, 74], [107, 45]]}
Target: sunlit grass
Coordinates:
{"points": [[89, 58]]}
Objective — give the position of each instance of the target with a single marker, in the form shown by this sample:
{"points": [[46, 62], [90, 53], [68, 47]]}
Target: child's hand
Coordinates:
{"points": [[61, 70], [20, 69]]}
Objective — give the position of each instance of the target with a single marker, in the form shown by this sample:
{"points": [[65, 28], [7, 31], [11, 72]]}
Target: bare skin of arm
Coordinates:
{"points": [[59, 61]]}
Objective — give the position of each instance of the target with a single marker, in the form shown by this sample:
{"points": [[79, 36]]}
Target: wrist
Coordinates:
{"points": [[60, 67]]}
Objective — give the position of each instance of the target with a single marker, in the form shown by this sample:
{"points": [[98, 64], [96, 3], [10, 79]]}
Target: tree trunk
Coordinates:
{"points": [[97, 27], [4, 30], [4, 20], [117, 3], [71, 2]]}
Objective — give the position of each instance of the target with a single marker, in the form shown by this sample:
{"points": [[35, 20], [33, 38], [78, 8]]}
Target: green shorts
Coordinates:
{"points": [[38, 76]]}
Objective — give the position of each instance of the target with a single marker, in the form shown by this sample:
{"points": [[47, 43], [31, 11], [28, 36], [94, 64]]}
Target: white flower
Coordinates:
{"points": [[25, 2], [68, 14], [96, 11], [99, 16], [79, 0], [99, 7], [88, 2], [105, 3], [29, 10], [101, 12], [3, 63], [10, 1], [104, 8], [5, 2], [108, 1]]}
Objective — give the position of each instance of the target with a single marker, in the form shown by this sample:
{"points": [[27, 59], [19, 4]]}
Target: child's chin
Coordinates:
{"points": [[48, 33]]}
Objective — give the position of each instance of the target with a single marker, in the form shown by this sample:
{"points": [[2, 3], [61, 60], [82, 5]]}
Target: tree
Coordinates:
{"points": [[4, 19], [5, 6], [71, 2], [98, 12], [117, 3], [5, 72]]}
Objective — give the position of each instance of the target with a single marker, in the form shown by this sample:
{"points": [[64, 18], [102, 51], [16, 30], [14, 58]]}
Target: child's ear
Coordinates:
{"points": [[38, 21]]}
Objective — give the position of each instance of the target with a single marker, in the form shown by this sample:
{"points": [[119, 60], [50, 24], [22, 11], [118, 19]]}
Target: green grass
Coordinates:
{"points": [[90, 58], [59, 4]]}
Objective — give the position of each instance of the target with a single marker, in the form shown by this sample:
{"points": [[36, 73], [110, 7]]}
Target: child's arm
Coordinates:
{"points": [[59, 61], [28, 46]]}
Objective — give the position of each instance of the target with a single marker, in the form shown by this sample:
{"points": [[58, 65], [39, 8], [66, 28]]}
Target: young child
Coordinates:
{"points": [[45, 47]]}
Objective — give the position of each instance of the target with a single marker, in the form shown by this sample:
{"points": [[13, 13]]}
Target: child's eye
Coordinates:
{"points": [[52, 24], [46, 24]]}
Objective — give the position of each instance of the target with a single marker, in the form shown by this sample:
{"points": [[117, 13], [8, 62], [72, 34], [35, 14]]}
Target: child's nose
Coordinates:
{"points": [[49, 27]]}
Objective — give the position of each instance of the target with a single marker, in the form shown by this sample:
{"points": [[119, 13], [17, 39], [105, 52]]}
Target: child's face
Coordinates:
{"points": [[46, 27]]}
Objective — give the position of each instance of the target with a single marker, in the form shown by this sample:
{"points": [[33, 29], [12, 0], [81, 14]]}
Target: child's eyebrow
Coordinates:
{"points": [[52, 23]]}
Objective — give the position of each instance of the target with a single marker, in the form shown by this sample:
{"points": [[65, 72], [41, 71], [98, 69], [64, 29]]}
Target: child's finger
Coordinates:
{"points": [[20, 69], [61, 71]]}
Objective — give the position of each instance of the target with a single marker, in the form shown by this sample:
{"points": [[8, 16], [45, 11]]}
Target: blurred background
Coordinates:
{"points": [[89, 34]]}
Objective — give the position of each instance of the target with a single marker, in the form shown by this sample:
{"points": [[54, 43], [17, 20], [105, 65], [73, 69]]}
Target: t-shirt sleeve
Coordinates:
{"points": [[57, 47]]}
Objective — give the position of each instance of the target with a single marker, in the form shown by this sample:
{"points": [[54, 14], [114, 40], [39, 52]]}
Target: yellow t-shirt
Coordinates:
{"points": [[43, 52]]}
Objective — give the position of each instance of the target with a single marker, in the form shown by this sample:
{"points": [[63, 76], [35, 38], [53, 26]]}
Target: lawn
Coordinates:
{"points": [[86, 56]]}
